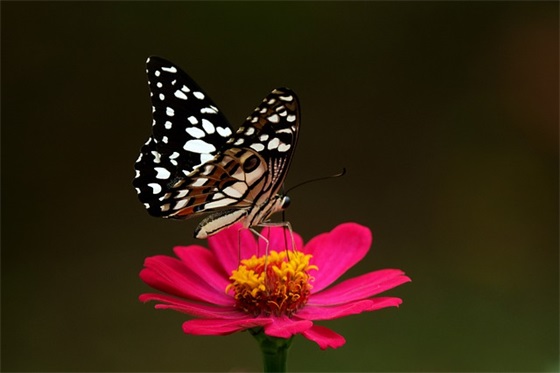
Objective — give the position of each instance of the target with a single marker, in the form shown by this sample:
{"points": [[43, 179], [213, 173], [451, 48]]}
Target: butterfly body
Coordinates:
{"points": [[194, 164], [249, 217]]}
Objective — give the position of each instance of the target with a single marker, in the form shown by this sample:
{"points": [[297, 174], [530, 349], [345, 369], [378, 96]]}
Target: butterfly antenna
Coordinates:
{"points": [[341, 173]]}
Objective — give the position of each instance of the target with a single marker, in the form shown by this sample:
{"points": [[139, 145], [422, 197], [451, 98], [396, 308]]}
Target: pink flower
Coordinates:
{"points": [[282, 293]]}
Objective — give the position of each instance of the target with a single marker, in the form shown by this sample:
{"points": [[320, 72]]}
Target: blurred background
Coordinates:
{"points": [[444, 114]]}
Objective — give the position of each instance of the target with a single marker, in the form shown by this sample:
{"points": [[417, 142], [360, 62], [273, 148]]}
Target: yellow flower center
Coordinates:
{"points": [[277, 284]]}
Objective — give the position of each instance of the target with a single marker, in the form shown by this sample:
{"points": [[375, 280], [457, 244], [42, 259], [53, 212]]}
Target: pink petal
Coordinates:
{"points": [[334, 312], [203, 262], [324, 337], [283, 327], [172, 276], [222, 327], [279, 239], [231, 245], [360, 287], [190, 308], [337, 251]]}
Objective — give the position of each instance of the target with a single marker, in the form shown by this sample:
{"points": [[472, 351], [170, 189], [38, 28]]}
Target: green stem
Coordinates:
{"points": [[274, 350]]}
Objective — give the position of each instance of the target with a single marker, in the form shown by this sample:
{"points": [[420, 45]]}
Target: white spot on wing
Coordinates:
{"points": [[274, 118], [185, 89], [208, 126], [206, 157], [169, 69], [284, 147], [199, 146], [273, 144], [168, 125], [180, 95], [182, 203], [192, 119], [217, 196], [157, 156], [195, 132], [239, 141], [284, 130], [169, 111], [162, 173], [156, 188], [250, 131], [199, 182], [198, 95], [208, 110], [291, 118], [258, 147], [224, 132], [182, 193]]}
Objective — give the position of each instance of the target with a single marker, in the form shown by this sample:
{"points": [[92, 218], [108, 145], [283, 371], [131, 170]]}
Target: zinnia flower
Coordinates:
{"points": [[230, 288]]}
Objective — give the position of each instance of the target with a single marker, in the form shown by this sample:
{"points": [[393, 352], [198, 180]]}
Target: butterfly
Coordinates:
{"points": [[194, 164]]}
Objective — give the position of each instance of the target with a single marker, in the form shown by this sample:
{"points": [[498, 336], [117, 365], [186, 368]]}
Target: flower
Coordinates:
{"points": [[231, 288]]}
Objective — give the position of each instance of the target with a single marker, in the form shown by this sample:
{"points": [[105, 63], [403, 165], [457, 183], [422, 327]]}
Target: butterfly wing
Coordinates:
{"points": [[250, 169], [187, 130], [272, 132], [193, 164]]}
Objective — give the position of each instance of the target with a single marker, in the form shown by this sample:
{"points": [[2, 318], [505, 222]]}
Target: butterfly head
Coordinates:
{"points": [[278, 203], [284, 202]]}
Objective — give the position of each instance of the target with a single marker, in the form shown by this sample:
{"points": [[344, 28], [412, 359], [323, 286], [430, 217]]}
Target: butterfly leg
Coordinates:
{"points": [[267, 244], [286, 225], [239, 245], [266, 240]]}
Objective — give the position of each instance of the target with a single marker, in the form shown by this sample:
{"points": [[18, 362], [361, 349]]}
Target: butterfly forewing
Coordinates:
{"points": [[187, 130], [194, 164]]}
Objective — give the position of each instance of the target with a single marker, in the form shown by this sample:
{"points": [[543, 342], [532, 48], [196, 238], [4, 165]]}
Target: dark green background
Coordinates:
{"points": [[445, 115]]}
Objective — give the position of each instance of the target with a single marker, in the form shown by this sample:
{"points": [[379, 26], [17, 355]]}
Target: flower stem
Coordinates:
{"points": [[274, 351]]}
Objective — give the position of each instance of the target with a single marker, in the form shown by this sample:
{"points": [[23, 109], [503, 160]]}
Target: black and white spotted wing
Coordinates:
{"points": [[194, 164]]}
